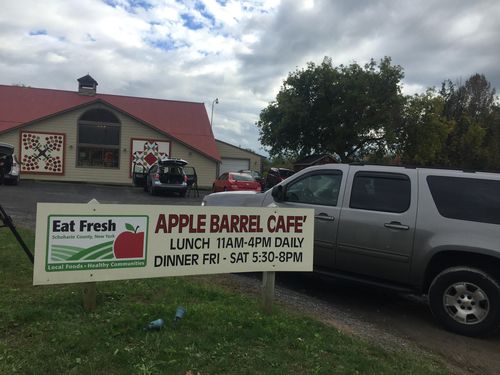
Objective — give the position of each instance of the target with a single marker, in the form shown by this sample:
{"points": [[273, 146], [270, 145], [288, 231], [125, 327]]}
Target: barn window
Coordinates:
{"points": [[98, 139]]}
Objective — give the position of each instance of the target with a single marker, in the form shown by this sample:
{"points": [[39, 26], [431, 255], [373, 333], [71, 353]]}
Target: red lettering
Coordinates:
{"points": [[214, 224], [173, 220], [200, 224], [270, 220], [235, 223], [224, 225], [183, 221], [235, 219], [161, 224], [285, 224], [298, 224], [244, 223], [280, 225]]}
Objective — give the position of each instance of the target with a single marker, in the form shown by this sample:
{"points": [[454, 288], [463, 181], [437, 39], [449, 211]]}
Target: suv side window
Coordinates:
{"points": [[380, 191], [320, 188], [469, 199]]}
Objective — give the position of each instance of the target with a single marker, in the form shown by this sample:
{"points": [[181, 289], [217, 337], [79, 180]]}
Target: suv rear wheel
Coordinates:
{"points": [[466, 301]]}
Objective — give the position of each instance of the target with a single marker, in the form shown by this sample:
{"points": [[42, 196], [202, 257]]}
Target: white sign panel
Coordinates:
{"points": [[97, 242]]}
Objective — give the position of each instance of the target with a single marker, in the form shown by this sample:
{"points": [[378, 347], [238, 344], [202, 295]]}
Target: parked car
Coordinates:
{"points": [[10, 171], [234, 181], [167, 175], [256, 176], [427, 231], [276, 175]]}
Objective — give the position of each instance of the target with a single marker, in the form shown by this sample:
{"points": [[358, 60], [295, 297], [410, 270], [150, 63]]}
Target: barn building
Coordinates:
{"points": [[85, 136]]}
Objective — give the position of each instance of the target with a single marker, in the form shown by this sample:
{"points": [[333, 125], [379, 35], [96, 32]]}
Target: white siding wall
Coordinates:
{"points": [[67, 123], [233, 152]]}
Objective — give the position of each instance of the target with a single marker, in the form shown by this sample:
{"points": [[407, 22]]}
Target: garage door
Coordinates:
{"points": [[233, 165]]}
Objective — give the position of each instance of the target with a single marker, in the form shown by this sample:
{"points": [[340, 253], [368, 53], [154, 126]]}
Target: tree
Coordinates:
{"points": [[423, 131], [350, 110], [473, 143]]}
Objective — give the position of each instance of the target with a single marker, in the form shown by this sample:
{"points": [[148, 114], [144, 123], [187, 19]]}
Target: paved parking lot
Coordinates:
{"points": [[20, 201]]}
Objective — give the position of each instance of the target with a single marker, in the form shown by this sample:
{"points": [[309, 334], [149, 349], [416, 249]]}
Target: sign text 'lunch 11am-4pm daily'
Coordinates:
{"points": [[98, 242]]}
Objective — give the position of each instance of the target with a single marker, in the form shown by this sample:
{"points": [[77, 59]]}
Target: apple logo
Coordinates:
{"points": [[129, 244]]}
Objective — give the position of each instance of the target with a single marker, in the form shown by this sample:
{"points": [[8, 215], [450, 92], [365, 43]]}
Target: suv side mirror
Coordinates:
{"points": [[278, 194]]}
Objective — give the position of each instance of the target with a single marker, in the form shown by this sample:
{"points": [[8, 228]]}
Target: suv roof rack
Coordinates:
{"points": [[466, 170]]}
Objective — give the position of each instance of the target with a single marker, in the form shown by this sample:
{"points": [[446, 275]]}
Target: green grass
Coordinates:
{"points": [[44, 330]]}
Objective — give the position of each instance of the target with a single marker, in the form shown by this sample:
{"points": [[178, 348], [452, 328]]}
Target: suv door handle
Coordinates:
{"points": [[396, 225], [323, 216]]}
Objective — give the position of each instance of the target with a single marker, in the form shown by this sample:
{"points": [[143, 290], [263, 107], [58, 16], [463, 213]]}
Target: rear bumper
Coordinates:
{"points": [[8, 178], [169, 187]]}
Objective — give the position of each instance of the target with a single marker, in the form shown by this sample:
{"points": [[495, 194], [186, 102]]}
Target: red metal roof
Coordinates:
{"points": [[184, 121]]}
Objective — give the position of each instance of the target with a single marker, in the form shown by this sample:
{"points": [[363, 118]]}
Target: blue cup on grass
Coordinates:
{"points": [[179, 313], [155, 325]]}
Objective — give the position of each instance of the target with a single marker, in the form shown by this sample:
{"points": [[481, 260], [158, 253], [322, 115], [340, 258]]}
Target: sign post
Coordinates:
{"points": [[89, 290], [268, 282], [89, 296]]}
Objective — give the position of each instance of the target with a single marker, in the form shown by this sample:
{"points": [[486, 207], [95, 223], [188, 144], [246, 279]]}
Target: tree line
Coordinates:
{"points": [[360, 113]]}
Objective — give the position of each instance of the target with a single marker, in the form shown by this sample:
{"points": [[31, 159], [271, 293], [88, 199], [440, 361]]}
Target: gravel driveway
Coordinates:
{"points": [[389, 319]]}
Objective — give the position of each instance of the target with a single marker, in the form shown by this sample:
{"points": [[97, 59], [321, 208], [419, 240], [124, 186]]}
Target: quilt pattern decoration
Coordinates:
{"points": [[42, 152], [145, 153]]}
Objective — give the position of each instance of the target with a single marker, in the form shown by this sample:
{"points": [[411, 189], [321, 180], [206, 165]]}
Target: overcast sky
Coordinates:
{"points": [[239, 51]]}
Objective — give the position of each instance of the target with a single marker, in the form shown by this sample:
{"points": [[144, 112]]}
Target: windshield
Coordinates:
{"points": [[240, 177]]}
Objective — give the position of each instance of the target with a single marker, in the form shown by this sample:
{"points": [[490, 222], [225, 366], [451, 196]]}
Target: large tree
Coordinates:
{"points": [[474, 141], [423, 131], [352, 110]]}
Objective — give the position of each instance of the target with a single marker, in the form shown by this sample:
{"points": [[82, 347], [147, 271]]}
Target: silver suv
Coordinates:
{"points": [[167, 175], [428, 231]]}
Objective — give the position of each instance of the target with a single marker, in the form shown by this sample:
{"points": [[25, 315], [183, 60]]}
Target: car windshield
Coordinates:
{"points": [[240, 177], [254, 174]]}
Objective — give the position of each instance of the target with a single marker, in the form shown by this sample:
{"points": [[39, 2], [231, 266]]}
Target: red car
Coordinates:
{"points": [[231, 181]]}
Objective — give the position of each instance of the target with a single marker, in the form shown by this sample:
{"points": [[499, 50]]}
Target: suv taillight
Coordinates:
{"points": [[185, 179]]}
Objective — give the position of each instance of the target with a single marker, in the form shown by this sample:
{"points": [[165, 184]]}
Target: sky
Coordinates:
{"points": [[239, 51]]}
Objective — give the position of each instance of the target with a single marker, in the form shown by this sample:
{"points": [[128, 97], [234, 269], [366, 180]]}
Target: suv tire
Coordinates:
{"points": [[466, 301]]}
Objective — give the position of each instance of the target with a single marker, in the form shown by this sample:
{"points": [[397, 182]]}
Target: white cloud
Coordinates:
{"points": [[239, 50]]}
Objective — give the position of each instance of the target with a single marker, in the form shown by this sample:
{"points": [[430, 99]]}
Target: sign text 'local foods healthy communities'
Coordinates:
{"points": [[96, 242]]}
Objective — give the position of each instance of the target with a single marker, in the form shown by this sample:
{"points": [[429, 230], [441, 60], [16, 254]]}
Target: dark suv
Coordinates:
{"points": [[167, 175], [276, 175], [9, 166]]}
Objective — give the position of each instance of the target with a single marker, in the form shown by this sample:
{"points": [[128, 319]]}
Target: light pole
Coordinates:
{"points": [[215, 101]]}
